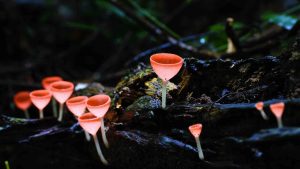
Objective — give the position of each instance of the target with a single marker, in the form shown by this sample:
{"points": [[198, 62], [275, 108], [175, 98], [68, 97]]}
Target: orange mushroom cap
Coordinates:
{"points": [[90, 123], [61, 90], [196, 129], [259, 105], [277, 109], [40, 98], [22, 100], [166, 65], [98, 104], [47, 81], [77, 105]]}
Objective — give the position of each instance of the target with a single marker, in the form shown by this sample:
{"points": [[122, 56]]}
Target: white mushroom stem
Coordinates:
{"points": [[164, 94], [103, 134], [87, 136], [61, 111], [263, 114], [41, 114], [26, 114], [54, 110], [200, 152], [103, 160], [279, 122]]}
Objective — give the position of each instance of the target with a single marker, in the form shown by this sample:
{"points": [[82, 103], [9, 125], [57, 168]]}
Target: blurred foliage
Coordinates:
{"points": [[282, 20]]}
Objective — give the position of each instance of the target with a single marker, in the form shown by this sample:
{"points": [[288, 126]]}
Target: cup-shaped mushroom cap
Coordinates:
{"points": [[166, 65], [196, 129], [90, 123], [77, 105], [277, 109], [22, 100], [61, 90], [98, 104], [40, 98], [259, 105], [47, 81]]}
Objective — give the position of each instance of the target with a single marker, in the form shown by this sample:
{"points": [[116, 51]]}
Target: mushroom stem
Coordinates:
{"points": [[87, 136], [279, 122], [263, 114], [200, 152], [61, 109], [164, 94], [26, 114], [103, 134], [103, 160], [41, 114], [54, 110]]}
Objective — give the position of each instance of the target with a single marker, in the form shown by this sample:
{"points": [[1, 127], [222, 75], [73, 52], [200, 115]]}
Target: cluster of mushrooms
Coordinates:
{"points": [[165, 65], [61, 91]]}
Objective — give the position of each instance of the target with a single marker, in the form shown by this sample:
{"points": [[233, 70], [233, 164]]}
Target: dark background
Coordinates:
{"points": [[93, 40]]}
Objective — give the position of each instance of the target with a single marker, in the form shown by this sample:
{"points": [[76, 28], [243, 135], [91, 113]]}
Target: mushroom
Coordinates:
{"points": [[46, 82], [23, 102], [260, 107], [61, 91], [278, 109], [77, 106], [91, 124], [99, 105], [196, 131], [166, 66], [40, 98]]}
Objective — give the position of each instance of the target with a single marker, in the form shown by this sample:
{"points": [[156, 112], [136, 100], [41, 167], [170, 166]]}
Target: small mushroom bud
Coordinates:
{"points": [[196, 130], [260, 107]]}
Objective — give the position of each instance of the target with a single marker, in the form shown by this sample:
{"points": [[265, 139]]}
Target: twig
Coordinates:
{"points": [[153, 20], [268, 34], [261, 47], [148, 52], [156, 31]]}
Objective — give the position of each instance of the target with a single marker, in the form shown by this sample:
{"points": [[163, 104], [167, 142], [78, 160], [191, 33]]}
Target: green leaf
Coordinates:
{"points": [[285, 21]]}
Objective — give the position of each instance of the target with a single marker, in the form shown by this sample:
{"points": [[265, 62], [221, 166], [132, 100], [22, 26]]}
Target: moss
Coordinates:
{"points": [[154, 87], [135, 78], [92, 89], [144, 103], [295, 56]]}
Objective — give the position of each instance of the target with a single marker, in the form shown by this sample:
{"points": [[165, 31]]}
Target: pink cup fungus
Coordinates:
{"points": [[22, 101], [91, 124], [260, 107], [46, 82], [278, 109], [61, 91], [40, 98], [99, 105], [166, 66], [196, 130], [77, 106]]}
